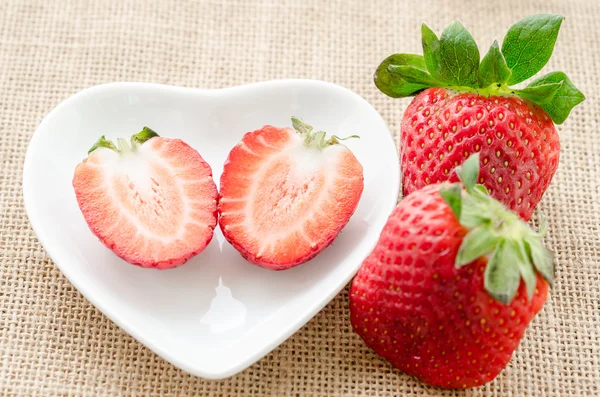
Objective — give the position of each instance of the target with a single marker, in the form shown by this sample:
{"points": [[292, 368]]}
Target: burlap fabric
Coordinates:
{"points": [[54, 342]]}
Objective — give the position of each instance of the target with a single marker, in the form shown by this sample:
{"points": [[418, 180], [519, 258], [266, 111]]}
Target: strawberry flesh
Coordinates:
{"points": [[154, 206], [284, 201]]}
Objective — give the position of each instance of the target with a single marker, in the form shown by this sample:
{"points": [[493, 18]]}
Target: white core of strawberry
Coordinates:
{"points": [[145, 192], [306, 160]]}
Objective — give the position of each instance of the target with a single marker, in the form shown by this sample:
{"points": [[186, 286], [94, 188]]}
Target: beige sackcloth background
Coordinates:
{"points": [[54, 342]]}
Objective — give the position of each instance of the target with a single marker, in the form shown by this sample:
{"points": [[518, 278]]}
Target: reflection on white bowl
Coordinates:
{"points": [[225, 312]]}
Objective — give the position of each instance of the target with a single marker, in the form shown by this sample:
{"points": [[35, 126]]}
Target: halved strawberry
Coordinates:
{"points": [[286, 194], [153, 203]]}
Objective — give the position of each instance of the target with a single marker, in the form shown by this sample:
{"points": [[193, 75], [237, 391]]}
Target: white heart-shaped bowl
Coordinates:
{"points": [[217, 314]]}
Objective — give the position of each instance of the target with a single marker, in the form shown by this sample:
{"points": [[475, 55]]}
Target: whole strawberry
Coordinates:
{"points": [[465, 106], [452, 284]]}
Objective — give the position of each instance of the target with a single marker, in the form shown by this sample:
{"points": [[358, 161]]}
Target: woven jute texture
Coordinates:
{"points": [[54, 342]]}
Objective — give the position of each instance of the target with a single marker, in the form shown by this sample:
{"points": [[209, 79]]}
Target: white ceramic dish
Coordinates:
{"points": [[218, 314]]}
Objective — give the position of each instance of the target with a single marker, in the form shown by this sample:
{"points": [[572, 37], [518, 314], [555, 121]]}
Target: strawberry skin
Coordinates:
{"points": [[518, 143], [285, 195], [412, 306], [154, 205]]}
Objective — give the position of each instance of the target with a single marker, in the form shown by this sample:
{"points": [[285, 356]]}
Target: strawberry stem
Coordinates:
{"points": [[103, 142], [491, 90], [122, 145], [318, 139], [145, 134]]}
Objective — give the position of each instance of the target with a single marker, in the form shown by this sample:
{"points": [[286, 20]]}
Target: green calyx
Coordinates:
{"points": [[122, 146], [513, 249], [453, 61], [316, 139]]}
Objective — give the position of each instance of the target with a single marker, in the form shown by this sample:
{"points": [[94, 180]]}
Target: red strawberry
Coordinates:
{"points": [[517, 141], [286, 194], [472, 107], [441, 295], [153, 203]]}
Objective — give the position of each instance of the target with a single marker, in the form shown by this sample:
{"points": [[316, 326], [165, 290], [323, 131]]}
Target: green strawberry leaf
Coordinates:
{"points": [[413, 74], [452, 195], [302, 127], [431, 52], [540, 94], [335, 140], [480, 190], [528, 45], [469, 172], [103, 142], [542, 225], [493, 68], [474, 211], [541, 257], [525, 266], [565, 98], [142, 136], [318, 139], [480, 241], [393, 84], [502, 277], [452, 61], [454, 58]]}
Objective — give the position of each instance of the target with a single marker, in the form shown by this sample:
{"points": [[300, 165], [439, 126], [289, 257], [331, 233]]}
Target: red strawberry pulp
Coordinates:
{"points": [[154, 207], [283, 201]]}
